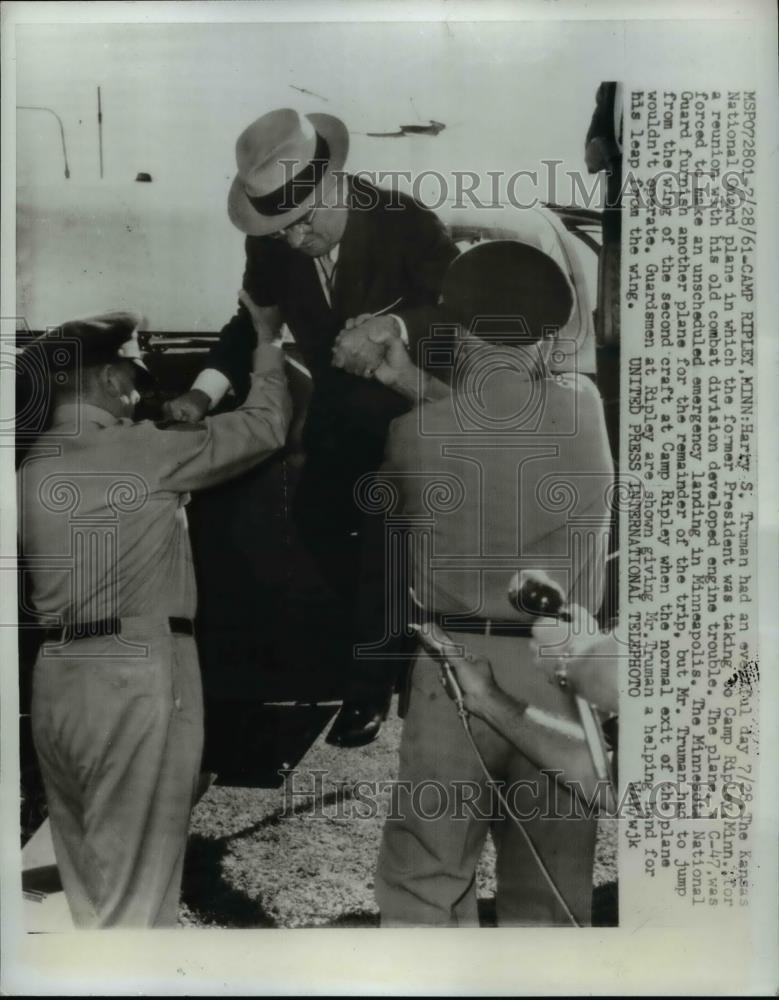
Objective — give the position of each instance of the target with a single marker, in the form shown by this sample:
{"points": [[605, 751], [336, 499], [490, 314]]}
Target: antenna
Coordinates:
{"points": [[100, 131], [30, 107]]}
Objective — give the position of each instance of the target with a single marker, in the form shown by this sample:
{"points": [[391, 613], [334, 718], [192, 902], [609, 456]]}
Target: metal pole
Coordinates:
{"points": [[29, 107], [100, 130]]}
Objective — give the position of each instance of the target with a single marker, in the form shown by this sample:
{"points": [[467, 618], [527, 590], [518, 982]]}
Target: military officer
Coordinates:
{"points": [[117, 707]]}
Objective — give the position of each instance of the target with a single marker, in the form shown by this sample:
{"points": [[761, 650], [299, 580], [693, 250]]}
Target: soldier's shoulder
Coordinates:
{"points": [[424, 429]]}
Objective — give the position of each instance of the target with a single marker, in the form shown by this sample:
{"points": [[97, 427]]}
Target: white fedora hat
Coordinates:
{"points": [[283, 160]]}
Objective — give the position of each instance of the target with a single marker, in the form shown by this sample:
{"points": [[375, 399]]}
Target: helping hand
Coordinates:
{"points": [[358, 347], [189, 408], [396, 369], [473, 674], [476, 679]]}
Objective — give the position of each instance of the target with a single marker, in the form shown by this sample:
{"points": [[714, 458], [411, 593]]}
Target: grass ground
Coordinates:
{"points": [[256, 860]]}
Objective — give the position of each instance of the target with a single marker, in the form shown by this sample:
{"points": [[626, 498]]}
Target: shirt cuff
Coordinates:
{"points": [[213, 383], [402, 327]]}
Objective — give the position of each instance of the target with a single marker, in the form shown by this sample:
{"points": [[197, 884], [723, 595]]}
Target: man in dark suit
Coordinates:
{"points": [[326, 253]]}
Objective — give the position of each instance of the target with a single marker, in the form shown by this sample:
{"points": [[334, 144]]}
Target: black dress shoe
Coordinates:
{"points": [[356, 725]]}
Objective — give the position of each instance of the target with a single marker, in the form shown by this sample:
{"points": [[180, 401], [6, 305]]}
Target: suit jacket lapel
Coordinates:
{"points": [[351, 274]]}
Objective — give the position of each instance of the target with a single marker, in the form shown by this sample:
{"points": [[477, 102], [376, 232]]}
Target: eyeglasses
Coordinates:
{"points": [[306, 220]]}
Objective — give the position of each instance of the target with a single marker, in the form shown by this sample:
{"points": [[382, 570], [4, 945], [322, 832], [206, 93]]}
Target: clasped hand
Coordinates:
{"points": [[371, 346]]}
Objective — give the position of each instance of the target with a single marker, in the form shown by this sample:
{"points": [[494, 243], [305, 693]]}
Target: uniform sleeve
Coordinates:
{"points": [[232, 354], [195, 456]]}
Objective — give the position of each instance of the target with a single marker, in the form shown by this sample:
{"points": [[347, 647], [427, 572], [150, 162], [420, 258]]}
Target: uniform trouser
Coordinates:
{"points": [[428, 857], [119, 739]]}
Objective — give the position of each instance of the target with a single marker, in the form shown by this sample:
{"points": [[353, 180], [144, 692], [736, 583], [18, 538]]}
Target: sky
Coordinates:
{"points": [[175, 98]]}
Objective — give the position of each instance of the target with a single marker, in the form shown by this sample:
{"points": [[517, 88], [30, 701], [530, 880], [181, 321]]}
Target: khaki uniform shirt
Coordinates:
{"points": [[102, 501], [508, 472]]}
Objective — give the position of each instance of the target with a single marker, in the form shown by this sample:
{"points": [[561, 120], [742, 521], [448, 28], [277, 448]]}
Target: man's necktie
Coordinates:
{"points": [[326, 267]]}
